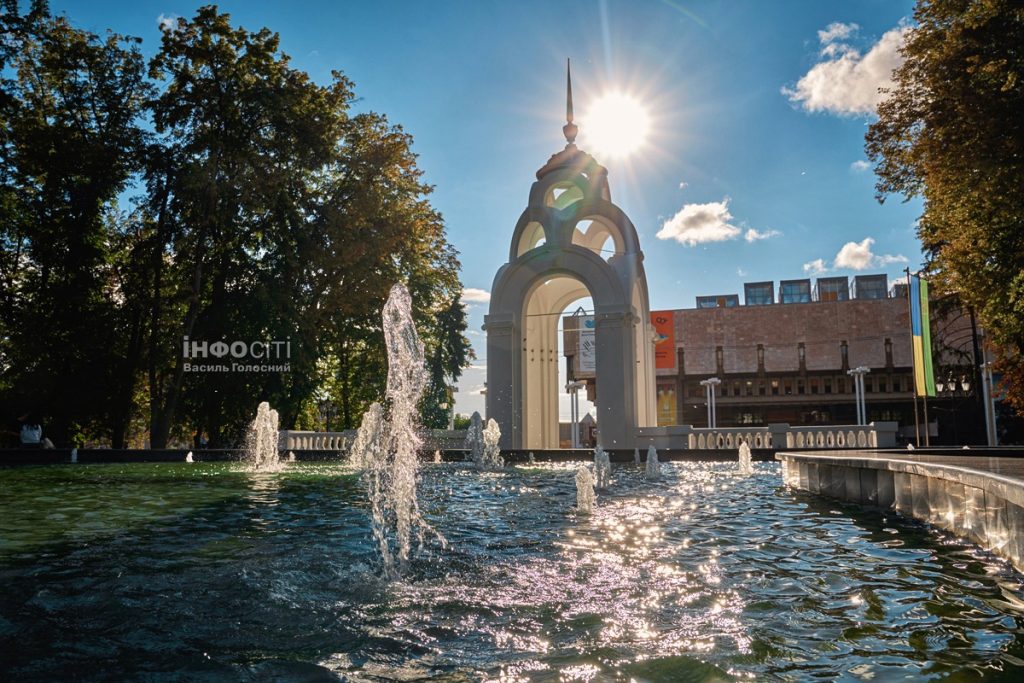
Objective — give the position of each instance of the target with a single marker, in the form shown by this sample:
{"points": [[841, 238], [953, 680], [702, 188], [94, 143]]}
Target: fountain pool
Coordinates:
{"points": [[206, 571]]}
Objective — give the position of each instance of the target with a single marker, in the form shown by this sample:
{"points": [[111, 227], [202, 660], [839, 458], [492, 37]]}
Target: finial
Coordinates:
{"points": [[569, 129]]}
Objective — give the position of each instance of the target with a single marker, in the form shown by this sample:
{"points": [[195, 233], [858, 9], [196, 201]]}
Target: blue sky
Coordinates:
{"points": [[758, 112]]}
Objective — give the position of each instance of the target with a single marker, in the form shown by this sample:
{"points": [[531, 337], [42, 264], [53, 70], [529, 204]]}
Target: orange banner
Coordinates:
{"points": [[665, 334]]}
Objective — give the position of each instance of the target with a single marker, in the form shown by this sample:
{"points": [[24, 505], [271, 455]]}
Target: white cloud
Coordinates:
{"points": [[837, 30], [888, 259], [683, 184], [858, 256], [815, 267], [845, 81], [472, 295], [753, 235], [698, 223], [860, 166], [167, 22], [741, 272]]}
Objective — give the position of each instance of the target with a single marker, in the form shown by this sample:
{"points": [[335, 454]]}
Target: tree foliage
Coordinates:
{"points": [[265, 211], [69, 142], [951, 132]]}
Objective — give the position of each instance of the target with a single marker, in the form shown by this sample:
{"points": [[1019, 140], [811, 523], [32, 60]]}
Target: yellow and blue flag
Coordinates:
{"points": [[920, 328]]}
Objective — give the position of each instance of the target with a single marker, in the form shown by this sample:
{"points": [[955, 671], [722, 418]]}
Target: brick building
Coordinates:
{"points": [[783, 355]]}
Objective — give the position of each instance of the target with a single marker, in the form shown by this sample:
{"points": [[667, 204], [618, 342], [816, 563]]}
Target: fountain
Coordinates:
{"points": [[392, 470], [261, 441], [532, 460], [188, 457], [744, 459], [437, 456], [490, 455], [636, 455], [584, 490], [475, 438], [653, 466], [368, 437], [602, 468]]}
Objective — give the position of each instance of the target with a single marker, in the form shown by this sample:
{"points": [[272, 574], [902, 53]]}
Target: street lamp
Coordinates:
{"points": [[709, 385], [573, 389], [327, 410], [951, 387], [858, 384]]}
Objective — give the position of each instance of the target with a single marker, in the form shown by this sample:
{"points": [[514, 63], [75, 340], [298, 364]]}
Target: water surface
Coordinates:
{"points": [[204, 572]]}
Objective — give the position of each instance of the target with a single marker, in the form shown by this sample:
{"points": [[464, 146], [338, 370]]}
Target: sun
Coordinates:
{"points": [[615, 126]]}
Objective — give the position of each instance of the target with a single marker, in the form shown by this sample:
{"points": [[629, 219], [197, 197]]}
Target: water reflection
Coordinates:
{"points": [[701, 575]]}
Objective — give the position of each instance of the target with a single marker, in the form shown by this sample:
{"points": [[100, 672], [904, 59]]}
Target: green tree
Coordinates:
{"points": [[242, 136], [276, 216], [70, 139], [951, 132], [449, 354]]}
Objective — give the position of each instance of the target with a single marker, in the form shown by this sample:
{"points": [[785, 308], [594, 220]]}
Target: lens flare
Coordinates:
{"points": [[616, 126]]}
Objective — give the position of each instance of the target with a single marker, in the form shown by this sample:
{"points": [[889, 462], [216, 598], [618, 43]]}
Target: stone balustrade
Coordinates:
{"points": [[293, 440], [781, 435]]}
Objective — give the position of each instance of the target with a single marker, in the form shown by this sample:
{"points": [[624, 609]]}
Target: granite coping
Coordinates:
{"points": [[1002, 476]]}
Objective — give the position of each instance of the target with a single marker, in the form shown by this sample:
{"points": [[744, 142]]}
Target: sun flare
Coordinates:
{"points": [[615, 126]]}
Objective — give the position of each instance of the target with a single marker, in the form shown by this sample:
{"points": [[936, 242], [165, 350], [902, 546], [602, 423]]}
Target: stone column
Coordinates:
{"points": [[504, 378]]}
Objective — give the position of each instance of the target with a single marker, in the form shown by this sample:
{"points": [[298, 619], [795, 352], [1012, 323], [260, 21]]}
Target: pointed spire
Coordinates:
{"points": [[569, 129]]}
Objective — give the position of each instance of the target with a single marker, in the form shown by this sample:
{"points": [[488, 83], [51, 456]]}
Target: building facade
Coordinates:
{"points": [[783, 355]]}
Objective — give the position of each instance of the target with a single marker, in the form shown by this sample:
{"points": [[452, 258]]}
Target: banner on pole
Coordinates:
{"points": [[921, 336], [586, 349], [665, 339], [666, 404]]}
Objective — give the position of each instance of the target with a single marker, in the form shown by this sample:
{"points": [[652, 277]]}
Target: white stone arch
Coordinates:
{"points": [[532, 290]]}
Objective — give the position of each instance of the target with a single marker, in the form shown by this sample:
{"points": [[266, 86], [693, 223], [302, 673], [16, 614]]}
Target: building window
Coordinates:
{"points": [[814, 385], [828, 385], [833, 289], [718, 301], [761, 388], [788, 387], [775, 387], [841, 385], [795, 292], [758, 293], [801, 355], [760, 357], [883, 385], [750, 388], [720, 360], [844, 354], [870, 287], [735, 387], [800, 387]]}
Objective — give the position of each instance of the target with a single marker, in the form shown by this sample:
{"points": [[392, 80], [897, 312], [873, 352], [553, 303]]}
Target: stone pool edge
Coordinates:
{"points": [[957, 495]]}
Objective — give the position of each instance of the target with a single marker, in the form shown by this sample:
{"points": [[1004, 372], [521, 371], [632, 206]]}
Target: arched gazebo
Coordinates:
{"points": [[570, 242]]}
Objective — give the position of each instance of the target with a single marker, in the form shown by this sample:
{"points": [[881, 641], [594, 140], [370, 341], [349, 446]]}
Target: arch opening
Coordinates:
{"points": [[599, 237], [533, 236], [544, 373], [563, 195]]}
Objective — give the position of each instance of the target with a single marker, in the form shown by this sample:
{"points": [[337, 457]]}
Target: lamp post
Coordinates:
{"points": [[573, 388], [327, 410], [951, 388], [858, 385], [990, 404], [709, 385]]}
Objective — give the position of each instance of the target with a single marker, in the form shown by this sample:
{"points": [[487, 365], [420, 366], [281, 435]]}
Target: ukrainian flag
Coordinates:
{"points": [[920, 328]]}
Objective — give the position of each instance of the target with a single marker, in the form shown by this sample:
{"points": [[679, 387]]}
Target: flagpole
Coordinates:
{"points": [[913, 360]]}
